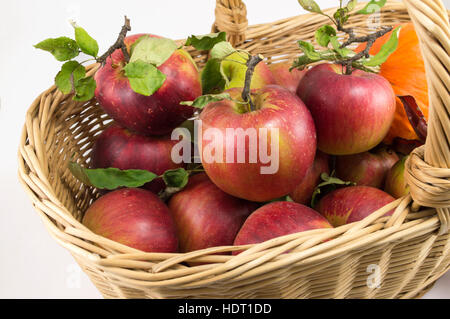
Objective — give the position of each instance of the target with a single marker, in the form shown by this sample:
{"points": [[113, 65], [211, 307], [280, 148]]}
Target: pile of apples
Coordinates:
{"points": [[329, 123]]}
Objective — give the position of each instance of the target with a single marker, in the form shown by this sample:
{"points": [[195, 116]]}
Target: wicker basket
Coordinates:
{"points": [[411, 248]]}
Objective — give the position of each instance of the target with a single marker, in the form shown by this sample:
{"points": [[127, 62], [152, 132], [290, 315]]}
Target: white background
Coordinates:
{"points": [[32, 264]]}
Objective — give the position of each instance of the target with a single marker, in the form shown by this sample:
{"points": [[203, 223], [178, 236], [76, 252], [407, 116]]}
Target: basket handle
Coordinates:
{"points": [[231, 17], [428, 173]]}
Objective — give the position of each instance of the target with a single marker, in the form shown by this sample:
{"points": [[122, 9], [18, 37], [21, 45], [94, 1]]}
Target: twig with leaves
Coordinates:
{"points": [[339, 53]]}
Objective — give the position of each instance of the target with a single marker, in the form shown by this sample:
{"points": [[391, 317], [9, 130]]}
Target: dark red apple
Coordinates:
{"points": [[278, 219], [120, 148], [367, 168], [351, 204], [302, 194], [290, 143], [352, 113], [285, 77], [395, 180], [205, 216], [133, 217], [158, 113]]}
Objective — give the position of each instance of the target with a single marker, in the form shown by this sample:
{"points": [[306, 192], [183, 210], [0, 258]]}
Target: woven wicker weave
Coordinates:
{"points": [[411, 248]]}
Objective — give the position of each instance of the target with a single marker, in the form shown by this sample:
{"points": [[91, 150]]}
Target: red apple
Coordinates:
{"points": [[285, 77], [120, 148], [353, 203], [352, 113], [133, 217], [205, 216], [258, 178], [158, 113], [278, 219], [303, 192], [367, 168], [395, 180]]}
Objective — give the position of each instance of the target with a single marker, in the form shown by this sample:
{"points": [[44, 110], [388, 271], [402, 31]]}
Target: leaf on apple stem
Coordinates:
{"points": [[221, 50], [71, 72], [62, 48], [415, 116], [176, 178], [152, 50], [372, 7], [111, 178], [386, 50], [86, 43], [310, 5], [330, 183], [204, 100], [144, 77], [351, 5], [212, 78], [323, 35], [85, 89], [207, 41]]}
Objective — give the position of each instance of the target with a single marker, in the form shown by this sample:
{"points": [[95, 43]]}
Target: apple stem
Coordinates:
{"points": [[119, 44], [251, 64]]}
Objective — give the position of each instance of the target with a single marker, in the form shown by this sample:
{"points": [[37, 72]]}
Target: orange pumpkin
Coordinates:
{"points": [[405, 70]]}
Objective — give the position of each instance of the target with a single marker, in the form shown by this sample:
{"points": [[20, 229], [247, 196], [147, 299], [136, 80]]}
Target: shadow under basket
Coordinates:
{"points": [[408, 251]]}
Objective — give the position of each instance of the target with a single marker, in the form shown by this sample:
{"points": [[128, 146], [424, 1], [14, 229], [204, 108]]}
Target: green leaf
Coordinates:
{"points": [[86, 43], [329, 182], [323, 35], [308, 50], [372, 7], [212, 78], [206, 42], [341, 15], [386, 50], [343, 52], [176, 178], [221, 50], [111, 178], [62, 48], [144, 78], [152, 50], [351, 5], [84, 89], [71, 72], [204, 100], [79, 172], [310, 5]]}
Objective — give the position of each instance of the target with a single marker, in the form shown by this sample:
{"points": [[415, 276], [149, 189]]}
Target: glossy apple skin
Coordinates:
{"points": [[276, 108], [367, 168], [278, 219], [159, 113], [235, 72], [284, 77], [134, 217], [120, 148], [205, 216], [351, 204], [352, 113], [395, 180], [302, 194]]}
